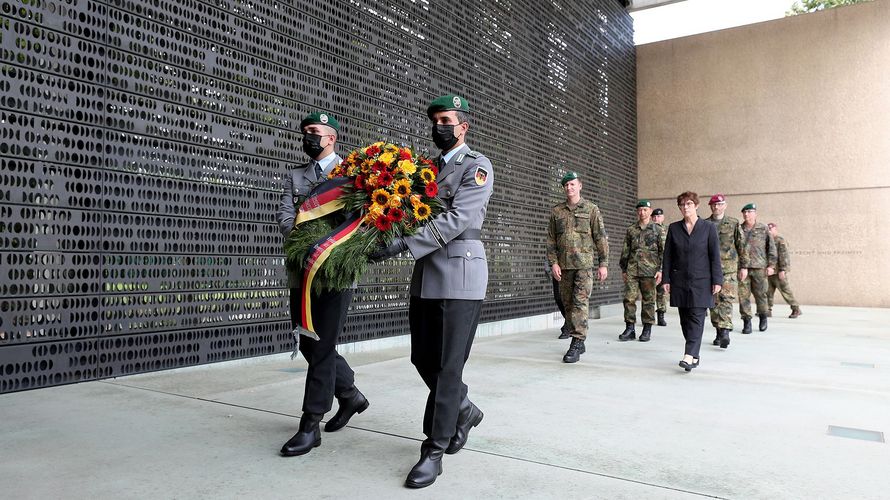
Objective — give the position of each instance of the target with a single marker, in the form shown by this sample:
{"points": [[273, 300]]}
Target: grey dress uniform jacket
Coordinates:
{"points": [[297, 184], [448, 266]]}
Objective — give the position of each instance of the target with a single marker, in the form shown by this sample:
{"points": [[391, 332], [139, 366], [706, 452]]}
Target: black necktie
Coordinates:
{"points": [[319, 173]]}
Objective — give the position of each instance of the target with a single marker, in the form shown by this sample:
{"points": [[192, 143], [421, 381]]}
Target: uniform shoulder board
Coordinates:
{"points": [[474, 154]]}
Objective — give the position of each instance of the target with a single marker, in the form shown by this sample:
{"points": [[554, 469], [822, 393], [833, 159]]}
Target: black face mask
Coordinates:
{"points": [[312, 145], [443, 136]]}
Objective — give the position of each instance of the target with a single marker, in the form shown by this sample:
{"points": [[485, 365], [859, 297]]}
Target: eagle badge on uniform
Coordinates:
{"points": [[481, 176]]}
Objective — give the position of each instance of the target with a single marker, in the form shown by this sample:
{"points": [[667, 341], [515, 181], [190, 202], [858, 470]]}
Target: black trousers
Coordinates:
{"points": [[692, 321], [442, 332], [329, 374]]}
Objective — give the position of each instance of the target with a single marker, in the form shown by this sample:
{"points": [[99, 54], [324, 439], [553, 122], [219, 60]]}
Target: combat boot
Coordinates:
{"points": [[647, 333], [723, 335], [795, 312], [762, 325], [308, 437], [661, 321], [564, 332], [628, 334], [746, 329], [576, 348], [717, 338]]}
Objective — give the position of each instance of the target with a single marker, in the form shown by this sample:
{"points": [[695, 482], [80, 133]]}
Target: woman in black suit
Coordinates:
{"points": [[691, 272]]}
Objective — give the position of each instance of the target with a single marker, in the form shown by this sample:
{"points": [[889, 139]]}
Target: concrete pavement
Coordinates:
{"points": [[625, 422]]}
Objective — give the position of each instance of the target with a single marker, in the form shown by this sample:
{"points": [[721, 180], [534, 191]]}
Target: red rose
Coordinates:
{"points": [[383, 223], [432, 189]]}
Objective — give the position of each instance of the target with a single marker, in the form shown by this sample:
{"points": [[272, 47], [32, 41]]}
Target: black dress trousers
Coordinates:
{"points": [[692, 322], [442, 332], [329, 374]]}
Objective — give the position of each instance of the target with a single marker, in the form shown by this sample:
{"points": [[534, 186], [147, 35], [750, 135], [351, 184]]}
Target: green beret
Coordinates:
{"points": [[658, 211], [570, 176], [320, 118], [447, 103], [749, 206], [643, 203]]}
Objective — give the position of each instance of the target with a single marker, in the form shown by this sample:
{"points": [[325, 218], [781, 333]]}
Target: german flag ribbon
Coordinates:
{"points": [[324, 200], [320, 252]]}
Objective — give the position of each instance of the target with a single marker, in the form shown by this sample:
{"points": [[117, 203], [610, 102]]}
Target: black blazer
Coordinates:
{"points": [[691, 264]]}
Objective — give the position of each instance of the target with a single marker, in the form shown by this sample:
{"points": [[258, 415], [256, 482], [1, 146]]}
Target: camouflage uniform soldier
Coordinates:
{"points": [[641, 269], [734, 260], [575, 228], [762, 259], [780, 279], [660, 297]]}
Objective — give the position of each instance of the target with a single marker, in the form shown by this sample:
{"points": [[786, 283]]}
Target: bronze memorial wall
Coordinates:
{"points": [[143, 145]]}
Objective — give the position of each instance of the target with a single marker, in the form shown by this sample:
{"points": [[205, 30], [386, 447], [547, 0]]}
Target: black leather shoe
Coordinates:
{"points": [[628, 334], [576, 349], [747, 328], [724, 338], [762, 326], [470, 416], [717, 338], [425, 471], [564, 332], [647, 333], [661, 321], [349, 406], [308, 437], [686, 366]]}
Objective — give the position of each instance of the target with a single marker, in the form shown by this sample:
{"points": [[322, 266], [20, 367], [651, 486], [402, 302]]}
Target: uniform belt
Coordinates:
{"points": [[470, 234]]}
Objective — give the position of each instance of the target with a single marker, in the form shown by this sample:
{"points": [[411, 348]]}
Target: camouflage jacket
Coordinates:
{"points": [[643, 249], [760, 246], [733, 255], [572, 235], [784, 261]]}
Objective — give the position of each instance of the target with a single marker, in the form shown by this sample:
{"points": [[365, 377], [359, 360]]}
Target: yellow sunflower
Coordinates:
{"points": [[421, 211], [407, 167], [427, 176], [380, 197], [402, 187]]}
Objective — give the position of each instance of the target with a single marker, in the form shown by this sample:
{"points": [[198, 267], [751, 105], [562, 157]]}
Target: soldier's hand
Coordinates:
{"points": [[715, 289], [781, 275], [770, 271], [384, 252], [557, 272], [603, 273], [657, 278], [743, 274]]}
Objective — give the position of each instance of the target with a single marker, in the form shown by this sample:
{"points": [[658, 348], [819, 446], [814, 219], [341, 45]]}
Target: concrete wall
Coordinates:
{"points": [[793, 114]]}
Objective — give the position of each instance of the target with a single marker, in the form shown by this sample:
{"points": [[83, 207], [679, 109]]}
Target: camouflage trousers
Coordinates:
{"points": [[755, 284], [574, 289], [639, 287], [784, 288], [721, 314], [661, 304]]}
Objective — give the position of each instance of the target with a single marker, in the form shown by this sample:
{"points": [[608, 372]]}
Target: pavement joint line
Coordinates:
{"points": [[374, 431]]}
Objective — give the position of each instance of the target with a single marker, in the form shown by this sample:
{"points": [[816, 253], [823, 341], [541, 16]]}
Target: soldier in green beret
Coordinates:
{"points": [[780, 279], [660, 296], [641, 270], [762, 258], [447, 287], [575, 234], [328, 375]]}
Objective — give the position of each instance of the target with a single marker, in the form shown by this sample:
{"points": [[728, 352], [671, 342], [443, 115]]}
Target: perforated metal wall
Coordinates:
{"points": [[142, 148]]}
